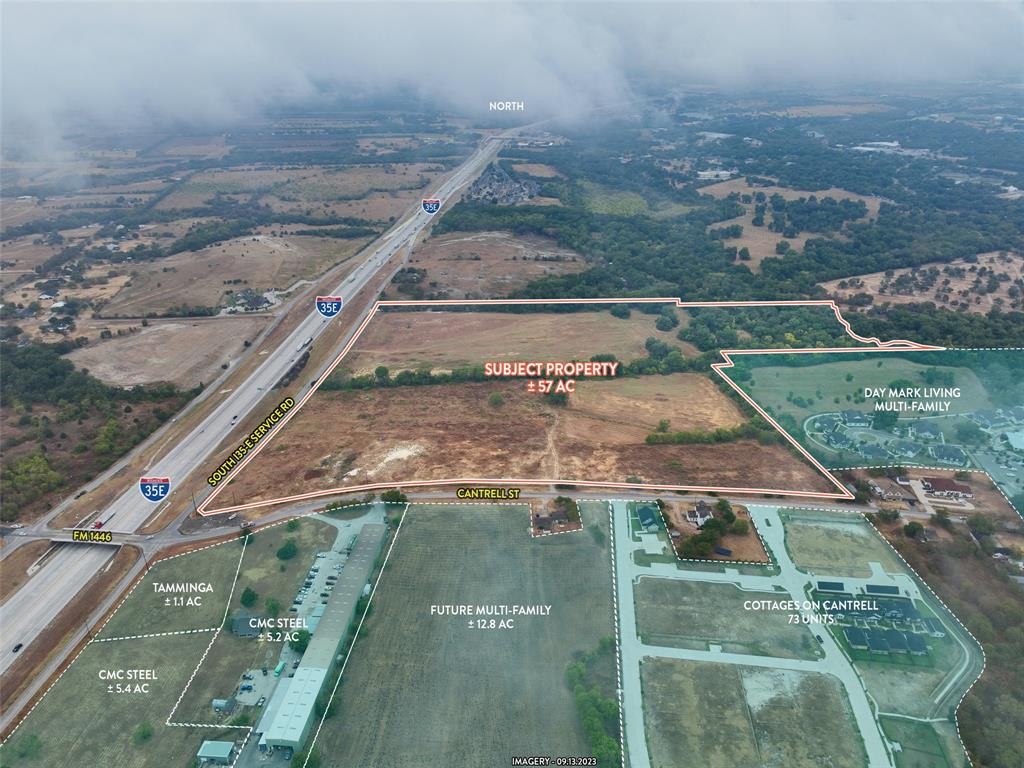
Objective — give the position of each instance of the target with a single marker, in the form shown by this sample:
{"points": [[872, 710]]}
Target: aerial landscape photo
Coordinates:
{"points": [[628, 385]]}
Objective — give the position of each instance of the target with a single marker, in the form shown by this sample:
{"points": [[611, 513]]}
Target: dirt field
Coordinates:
{"points": [[450, 431], [428, 690], [202, 278], [184, 352], [839, 545], [708, 715], [690, 614], [80, 722], [445, 340], [952, 284], [489, 264], [687, 400]]}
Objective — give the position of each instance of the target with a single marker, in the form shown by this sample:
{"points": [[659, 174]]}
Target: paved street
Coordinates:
{"points": [[633, 651]]}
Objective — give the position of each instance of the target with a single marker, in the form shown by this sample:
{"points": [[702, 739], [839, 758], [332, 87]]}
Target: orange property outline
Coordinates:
{"points": [[875, 345]]}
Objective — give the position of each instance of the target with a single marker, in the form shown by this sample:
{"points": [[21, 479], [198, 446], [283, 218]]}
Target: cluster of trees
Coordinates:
{"points": [[598, 711], [768, 327], [809, 214], [930, 219], [35, 375], [711, 533], [754, 429], [991, 606]]}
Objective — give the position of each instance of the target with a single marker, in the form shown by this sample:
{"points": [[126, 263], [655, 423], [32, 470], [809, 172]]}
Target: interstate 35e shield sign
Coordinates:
{"points": [[328, 306], [431, 205], [155, 488]]}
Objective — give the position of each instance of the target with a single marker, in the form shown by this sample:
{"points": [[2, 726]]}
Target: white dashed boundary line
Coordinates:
{"points": [[671, 545], [984, 657], [556, 533], [942, 469], [153, 634], [920, 580], [615, 611], [618, 645], [139, 581]]}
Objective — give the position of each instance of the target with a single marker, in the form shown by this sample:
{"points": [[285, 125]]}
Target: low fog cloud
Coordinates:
{"points": [[203, 63]]}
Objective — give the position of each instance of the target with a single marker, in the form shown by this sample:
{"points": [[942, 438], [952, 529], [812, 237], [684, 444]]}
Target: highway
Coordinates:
{"points": [[39, 601]]}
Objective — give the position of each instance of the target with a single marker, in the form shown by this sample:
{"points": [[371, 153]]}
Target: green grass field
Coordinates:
{"points": [[146, 610], [423, 689], [80, 723], [920, 747], [820, 386], [273, 578]]}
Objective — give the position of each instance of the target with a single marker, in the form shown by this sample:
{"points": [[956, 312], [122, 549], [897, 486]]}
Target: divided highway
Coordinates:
{"points": [[27, 613]]}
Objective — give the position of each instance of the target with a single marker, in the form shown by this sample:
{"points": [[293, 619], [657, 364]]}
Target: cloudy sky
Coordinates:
{"points": [[204, 62]]}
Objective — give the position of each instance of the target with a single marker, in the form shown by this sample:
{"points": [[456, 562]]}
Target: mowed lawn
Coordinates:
{"points": [[80, 723], [422, 689]]}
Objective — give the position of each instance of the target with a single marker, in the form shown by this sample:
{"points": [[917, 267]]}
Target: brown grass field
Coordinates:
{"points": [[306, 186], [198, 278], [772, 718], [761, 241], [959, 288], [691, 614], [443, 431], [486, 265], [839, 545], [723, 189], [444, 340], [184, 352], [538, 170], [425, 690]]}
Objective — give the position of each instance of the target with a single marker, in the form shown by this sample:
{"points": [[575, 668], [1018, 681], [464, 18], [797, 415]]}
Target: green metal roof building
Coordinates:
{"points": [[295, 713], [216, 752]]}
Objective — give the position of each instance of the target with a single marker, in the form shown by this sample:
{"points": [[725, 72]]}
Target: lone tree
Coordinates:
{"points": [[288, 550], [912, 529], [301, 641], [249, 597]]}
